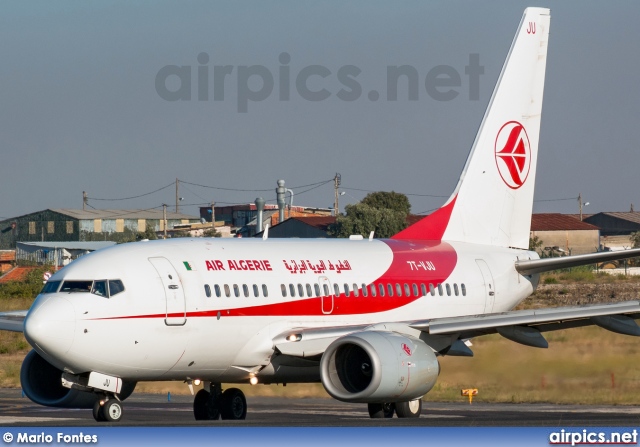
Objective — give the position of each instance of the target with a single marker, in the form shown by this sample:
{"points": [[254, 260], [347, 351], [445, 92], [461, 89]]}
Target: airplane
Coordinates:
{"points": [[367, 318]]}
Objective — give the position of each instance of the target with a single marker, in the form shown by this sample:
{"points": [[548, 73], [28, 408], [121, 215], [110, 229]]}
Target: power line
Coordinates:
{"points": [[406, 194], [556, 200], [135, 197]]}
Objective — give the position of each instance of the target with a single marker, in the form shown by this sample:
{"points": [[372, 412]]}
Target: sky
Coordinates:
{"points": [[81, 108]]}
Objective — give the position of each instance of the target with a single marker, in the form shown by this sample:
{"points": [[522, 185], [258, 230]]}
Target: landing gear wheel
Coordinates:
{"points": [[112, 410], [205, 406], [98, 415], [380, 411], [409, 409], [233, 405]]}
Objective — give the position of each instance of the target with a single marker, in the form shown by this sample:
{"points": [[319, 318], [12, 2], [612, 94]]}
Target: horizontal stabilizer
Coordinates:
{"points": [[12, 321], [548, 264]]}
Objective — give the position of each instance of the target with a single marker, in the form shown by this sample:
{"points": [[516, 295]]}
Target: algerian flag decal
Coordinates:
{"points": [[188, 265]]}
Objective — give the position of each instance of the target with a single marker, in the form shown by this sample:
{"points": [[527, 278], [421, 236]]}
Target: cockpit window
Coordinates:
{"points": [[51, 287], [100, 288], [115, 287], [76, 286]]}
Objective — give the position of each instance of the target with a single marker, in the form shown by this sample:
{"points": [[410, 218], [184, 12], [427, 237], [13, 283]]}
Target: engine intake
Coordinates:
{"points": [[41, 382], [378, 367]]}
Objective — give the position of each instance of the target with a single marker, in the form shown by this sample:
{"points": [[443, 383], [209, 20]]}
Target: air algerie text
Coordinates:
{"points": [[239, 264]]}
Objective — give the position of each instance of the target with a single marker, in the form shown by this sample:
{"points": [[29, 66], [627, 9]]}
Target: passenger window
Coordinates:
{"points": [[364, 290], [217, 290], [432, 289], [309, 292], [440, 289], [265, 291], [292, 290], [100, 288], [355, 290], [399, 290], [51, 287], [326, 290], [245, 289], [227, 291], [415, 289], [455, 289], [464, 290], [381, 288], [423, 289], [255, 291], [346, 290], [390, 289], [207, 290], [317, 288], [373, 290], [284, 290], [236, 290], [448, 289], [300, 290], [336, 289]]}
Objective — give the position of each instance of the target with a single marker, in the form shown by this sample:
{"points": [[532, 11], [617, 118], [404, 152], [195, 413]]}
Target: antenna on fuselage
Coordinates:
{"points": [[265, 234]]}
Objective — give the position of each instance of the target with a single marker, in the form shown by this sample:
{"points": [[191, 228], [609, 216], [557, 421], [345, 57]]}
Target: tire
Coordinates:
{"points": [[410, 409], [112, 410], [98, 415], [233, 405], [381, 411], [205, 407]]}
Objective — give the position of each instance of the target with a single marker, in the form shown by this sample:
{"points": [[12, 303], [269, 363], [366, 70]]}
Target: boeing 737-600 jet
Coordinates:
{"points": [[368, 318]]}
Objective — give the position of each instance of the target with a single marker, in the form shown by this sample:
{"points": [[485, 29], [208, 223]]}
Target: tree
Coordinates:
{"points": [[148, 233], [384, 213], [390, 200], [535, 244], [635, 238]]}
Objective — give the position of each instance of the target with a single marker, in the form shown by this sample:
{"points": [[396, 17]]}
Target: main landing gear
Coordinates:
{"points": [[410, 409], [213, 404], [107, 408]]}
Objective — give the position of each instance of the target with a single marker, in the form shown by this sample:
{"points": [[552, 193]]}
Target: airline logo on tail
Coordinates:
{"points": [[513, 154]]}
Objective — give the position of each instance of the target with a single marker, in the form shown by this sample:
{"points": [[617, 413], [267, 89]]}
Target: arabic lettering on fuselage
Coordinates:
{"points": [[317, 267]]}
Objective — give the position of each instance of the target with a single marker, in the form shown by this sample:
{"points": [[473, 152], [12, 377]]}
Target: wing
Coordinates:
{"points": [[447, 335], [12, 321]]}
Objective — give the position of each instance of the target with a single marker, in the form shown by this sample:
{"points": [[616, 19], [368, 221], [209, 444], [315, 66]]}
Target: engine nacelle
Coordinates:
{"points": [[41, 382], [378, 367]]}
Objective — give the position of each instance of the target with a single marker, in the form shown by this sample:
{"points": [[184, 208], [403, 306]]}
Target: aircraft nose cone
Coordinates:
{"points": [[50, 326]]}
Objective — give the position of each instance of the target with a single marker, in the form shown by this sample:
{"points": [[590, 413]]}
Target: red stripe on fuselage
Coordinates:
{"points": [[414, 262]]}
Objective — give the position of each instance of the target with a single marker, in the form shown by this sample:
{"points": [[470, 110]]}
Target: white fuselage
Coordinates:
{"points": [[165, 326]]}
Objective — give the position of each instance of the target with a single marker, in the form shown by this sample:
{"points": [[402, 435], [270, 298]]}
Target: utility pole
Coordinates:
{"points": [[177, 207], [84, 200], [164, 219], [213, 215], [337, 180]]}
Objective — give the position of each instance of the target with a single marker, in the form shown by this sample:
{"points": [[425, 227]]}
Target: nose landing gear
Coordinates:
{"points": [[107, 408], [212, 404]]}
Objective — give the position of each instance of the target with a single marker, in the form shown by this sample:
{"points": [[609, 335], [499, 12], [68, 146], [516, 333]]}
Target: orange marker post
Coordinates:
{"points": [[470, 392]]}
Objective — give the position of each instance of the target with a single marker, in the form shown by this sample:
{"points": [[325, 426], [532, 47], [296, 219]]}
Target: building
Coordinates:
{"points": [[302, 227], [243, 218], [66, 225], [58, 254], [616, 228], [566, 233]]}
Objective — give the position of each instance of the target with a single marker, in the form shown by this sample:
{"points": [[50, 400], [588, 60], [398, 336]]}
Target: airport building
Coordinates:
{"points": [[59, 225]]}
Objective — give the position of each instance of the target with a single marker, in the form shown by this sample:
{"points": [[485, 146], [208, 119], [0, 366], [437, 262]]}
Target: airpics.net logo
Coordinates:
{"points": [[207, 81]]}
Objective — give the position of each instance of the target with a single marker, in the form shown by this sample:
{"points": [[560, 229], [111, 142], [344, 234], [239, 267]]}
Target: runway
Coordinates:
{"points": [[144, 410]]}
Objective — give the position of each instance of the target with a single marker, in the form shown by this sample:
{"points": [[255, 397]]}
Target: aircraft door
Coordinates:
{"points": [[326, 295], [176, 308], [489, 285]]}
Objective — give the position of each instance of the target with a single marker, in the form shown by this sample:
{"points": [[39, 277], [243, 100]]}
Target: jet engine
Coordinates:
{"points": [[378, 367], [41, 382]]}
